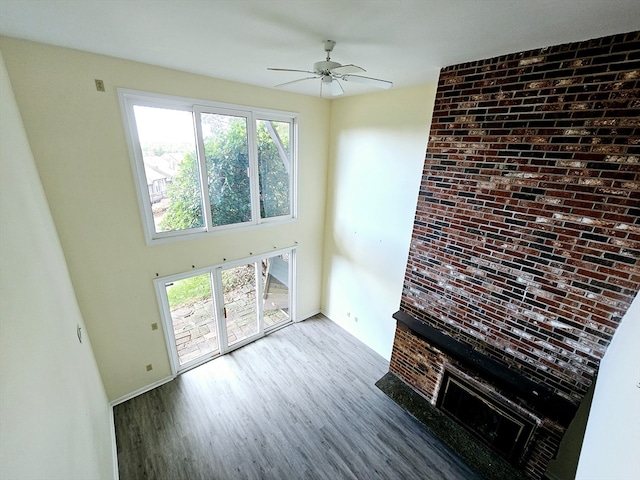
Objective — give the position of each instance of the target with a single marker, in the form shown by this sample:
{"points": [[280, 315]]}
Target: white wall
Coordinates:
{"points": [[54, 413], [378, 144], [611, 445], [78, 141]]}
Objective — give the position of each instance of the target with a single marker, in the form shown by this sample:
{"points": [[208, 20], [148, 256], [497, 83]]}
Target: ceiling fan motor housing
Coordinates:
{"points": [[324, 67]]}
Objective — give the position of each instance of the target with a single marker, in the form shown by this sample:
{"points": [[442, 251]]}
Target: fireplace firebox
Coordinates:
{"points": [[497, 425]]}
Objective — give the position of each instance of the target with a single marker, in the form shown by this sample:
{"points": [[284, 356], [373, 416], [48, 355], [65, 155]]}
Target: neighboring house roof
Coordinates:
{"points": [[152, 174], [158, 167]]}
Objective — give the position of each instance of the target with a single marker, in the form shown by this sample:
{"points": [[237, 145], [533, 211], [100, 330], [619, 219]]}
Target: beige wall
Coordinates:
{"points": [[54, 413], [78, 141], [378, 143]]}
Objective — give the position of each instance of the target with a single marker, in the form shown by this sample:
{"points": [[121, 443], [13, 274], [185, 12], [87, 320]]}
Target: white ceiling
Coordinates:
{"points": [[404, 41]]}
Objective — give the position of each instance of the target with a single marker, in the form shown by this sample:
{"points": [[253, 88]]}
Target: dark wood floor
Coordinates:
{"points": [[298, 404]]}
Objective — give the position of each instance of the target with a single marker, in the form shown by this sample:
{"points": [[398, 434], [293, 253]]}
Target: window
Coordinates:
{"points": [[205, 167]]}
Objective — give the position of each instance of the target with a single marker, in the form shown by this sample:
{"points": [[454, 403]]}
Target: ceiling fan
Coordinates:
{"points": [[331, 73]]}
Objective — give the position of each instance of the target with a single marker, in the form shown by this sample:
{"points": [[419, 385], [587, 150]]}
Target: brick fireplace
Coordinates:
{"points": [[526, 241]]}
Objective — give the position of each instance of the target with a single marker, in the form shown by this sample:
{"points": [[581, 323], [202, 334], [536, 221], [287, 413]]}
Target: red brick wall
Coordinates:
{"points": [[526, 241], [418, 364]]}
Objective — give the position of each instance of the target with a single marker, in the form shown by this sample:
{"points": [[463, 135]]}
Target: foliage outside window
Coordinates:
{"points": [[204, 167]]}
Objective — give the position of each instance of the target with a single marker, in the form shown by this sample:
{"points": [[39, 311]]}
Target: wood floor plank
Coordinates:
{"points": [[298, 404]]}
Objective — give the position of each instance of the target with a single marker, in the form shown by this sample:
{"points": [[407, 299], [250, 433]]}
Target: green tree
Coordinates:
{"points": [[273, 175], [185, 202], [227, 159], [227, 162]]}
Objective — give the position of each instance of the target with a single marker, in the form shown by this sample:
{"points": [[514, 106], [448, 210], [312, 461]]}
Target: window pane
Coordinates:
{"points": [[275, 281], [274, 167], [167, 141], [191, 306], [240, 312], [227, 156]]}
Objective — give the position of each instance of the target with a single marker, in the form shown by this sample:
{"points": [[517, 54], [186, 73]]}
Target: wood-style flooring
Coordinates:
{"points": [[298, 404]]}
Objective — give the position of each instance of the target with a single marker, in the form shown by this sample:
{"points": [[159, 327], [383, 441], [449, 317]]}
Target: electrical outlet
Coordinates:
{"points": [[149, 367], [99, 85], [154, 326]]}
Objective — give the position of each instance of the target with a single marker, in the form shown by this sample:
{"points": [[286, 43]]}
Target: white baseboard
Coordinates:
{"points": [[142, 390], [313, 313]]}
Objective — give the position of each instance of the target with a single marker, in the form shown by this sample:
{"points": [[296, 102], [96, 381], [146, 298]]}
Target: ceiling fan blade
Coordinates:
{"points": [[344, 69], [289, 70], [294, 81], [375, 82], [335, 88]]}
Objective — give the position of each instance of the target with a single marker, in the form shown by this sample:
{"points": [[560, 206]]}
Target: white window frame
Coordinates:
{"points": [[130, 98]]}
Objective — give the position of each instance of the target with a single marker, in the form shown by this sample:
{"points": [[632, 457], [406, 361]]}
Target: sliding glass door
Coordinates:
{"points": [[193, 321], [240, 307], [275, 278], [211, 311]]}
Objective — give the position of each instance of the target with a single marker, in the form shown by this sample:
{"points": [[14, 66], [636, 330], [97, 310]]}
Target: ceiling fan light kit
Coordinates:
{"points": [[330, 72]]}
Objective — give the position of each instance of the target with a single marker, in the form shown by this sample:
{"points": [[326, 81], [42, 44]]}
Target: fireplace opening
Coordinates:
{"points": [[502, 429]]}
